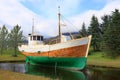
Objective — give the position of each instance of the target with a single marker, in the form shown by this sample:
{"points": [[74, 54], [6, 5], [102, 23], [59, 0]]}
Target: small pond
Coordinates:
{"points": [[64, 74]]}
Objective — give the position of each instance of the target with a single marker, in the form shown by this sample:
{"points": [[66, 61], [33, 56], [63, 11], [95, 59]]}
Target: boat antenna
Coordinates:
{"points": [[33, 25], [59, 23]]}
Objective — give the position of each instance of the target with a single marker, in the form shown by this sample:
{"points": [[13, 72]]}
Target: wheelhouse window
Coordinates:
{"points": [[41, 38], [38, 38], [34, 37]]}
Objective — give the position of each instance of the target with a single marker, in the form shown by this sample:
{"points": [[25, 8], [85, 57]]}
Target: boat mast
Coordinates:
{"points": [[59, 24], [33, 26]]}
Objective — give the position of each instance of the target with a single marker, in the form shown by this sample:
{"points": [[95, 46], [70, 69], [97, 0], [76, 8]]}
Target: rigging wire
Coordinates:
{"points": [[70, 33], [70, 22], [68, 30], [64, 24], [59, 3]]}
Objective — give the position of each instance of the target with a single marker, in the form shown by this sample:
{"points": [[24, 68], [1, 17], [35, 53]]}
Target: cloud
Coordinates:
{"points": [[12, 13], [86, 16], [15, 12], [49, 8]]}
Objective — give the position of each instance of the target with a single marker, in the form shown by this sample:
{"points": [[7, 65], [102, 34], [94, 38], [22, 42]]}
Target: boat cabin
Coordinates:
{"points": [[35, 39]]}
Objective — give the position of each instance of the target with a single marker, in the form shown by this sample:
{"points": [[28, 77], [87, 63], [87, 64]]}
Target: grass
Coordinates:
{"points": [[7, 56], [98, 59]]}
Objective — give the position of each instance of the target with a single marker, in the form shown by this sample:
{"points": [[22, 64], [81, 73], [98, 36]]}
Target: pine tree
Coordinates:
{"points": [[95, 31], [3, 38], [106, 22], [83, 31], [104, 25], [112, 35], [15, 37]]}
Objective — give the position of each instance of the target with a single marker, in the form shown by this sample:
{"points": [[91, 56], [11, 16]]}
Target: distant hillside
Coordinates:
{"points": [[73, 33]]}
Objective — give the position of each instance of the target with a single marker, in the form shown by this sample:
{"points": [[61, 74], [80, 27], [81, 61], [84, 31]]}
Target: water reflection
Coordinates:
{"points": [[16, 67], [55, 73], [64, 74], [104, 74]]}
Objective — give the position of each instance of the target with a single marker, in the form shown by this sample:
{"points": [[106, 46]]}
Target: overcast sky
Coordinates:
{"points": [[45, 12]]}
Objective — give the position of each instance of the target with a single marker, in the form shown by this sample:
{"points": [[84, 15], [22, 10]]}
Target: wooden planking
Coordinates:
{"points": [[77, 51], [58, 46]]}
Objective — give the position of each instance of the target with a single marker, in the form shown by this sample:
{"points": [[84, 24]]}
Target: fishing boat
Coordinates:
{"points": [[64, 53]]}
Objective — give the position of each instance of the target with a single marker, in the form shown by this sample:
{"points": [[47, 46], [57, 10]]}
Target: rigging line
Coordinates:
{"points": [[69, 22], [63, 22], [72, 26], [68, 30], [70, 33]]}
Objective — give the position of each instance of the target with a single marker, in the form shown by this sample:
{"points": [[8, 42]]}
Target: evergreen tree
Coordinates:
{"points": [[83, 31], [3, 38], [95, 31], [112, 35], [105, 24], [15, 37]]}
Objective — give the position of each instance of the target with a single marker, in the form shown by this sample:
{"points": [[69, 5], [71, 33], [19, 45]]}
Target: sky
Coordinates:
{"points": [[45, 14]]}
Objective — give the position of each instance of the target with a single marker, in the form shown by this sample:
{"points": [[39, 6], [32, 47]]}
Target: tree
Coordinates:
{"points": [[111, 36], [106, 22], [83, 31], [15, 37], [95, 31], [104, 25], [3, 38]]}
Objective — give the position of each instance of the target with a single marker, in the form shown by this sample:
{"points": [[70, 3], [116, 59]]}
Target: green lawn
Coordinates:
{"points": [[98, 59], [11, 58], [7, 56]]}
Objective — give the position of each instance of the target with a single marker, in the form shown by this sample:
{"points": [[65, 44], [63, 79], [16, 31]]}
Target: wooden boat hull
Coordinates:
{"points": [[71, 54], [73, 57]]}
